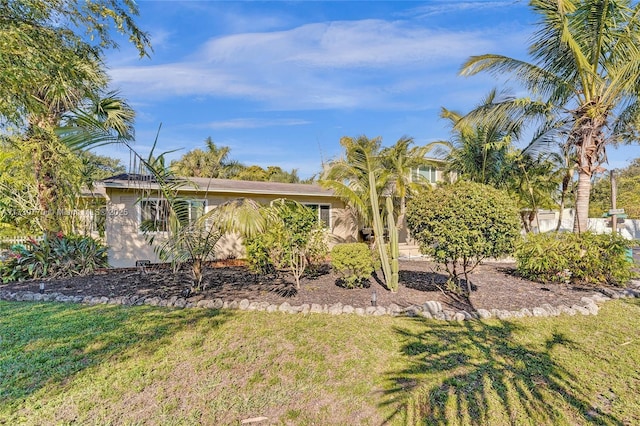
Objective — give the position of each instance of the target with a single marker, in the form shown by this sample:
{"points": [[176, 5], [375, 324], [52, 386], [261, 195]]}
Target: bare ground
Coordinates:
{"points": [[495, 285]]}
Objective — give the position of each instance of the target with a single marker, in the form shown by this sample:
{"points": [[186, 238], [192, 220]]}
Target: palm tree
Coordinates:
{"points": [[586, 63], [481, 148], [400, 160], [210, 163], [348, 176]]}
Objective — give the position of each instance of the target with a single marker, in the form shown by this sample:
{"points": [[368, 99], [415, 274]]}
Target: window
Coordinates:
{"points": [[154, 213], [428, 173], [323, 211]]}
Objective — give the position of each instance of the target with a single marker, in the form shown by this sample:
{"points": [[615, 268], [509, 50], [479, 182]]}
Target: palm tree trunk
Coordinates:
{"points": [[582, 202]]}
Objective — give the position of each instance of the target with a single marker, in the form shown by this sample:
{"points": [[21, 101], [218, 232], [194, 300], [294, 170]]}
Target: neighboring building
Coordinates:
{"points": [[132, 199], [433, 173]]}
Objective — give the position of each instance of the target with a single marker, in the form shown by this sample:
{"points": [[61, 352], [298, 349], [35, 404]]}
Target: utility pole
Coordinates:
{"points": [[614, 192]]}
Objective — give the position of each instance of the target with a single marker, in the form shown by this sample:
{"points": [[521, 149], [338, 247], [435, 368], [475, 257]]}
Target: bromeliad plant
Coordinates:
{"points": [[55, 256]]}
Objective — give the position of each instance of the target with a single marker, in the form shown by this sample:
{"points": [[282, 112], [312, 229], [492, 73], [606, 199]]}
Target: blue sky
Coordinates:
{"points": [[281, 82]]}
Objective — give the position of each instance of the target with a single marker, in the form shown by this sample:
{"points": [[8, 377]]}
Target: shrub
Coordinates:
{"points": [[462, 224], [293, 239], [354, 262], [54, 256], [579, 258]]}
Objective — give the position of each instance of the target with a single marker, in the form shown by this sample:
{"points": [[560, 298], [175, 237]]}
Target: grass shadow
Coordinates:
{"points": [[44, 344], [478, 373]]}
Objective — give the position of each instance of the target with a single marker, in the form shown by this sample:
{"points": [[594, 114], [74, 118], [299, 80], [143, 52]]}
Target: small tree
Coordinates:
{"points": [[460, 225], [292, 237]]}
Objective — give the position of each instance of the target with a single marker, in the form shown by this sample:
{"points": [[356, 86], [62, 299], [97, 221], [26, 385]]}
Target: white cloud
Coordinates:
{"points": [[253, 123], [438, 8], [341, 64]]}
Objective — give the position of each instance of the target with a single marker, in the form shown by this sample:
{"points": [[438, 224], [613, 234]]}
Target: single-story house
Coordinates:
{"points": [[132, 199]]}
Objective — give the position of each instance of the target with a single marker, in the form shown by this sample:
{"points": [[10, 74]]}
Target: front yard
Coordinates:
{"points": [[63, 363]]}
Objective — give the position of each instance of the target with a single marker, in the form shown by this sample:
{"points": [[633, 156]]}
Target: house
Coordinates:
{"points": [[133, 199]]}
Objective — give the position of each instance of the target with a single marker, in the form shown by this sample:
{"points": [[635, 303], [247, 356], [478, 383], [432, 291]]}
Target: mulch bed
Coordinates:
{"points": [[495, 286]]}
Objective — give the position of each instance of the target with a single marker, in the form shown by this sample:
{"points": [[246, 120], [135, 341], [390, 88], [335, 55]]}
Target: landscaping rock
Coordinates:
{"points": [[459, 316], [433, 307], [272, 308], [234, 304], [394, 309], [567, 310], [410, 311], [172, 300], [553, 312], [347, 309], [359, 311], [381, 310], [371, 310], [540, 312], [448, 315], [152, 301], [284, 307], [426, 314], [484, 314], [504, 314], [580, 309], [304, 309], [262, 306], [244, 304], [180, 302], [517, 314], [587, 300], [316, 308], [526, 312], [253, 306], [335, 309], [218, 303], [592, 308]]}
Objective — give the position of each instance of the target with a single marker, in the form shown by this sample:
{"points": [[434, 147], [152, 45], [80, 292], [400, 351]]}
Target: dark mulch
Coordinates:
{"points": [[495, 285]]}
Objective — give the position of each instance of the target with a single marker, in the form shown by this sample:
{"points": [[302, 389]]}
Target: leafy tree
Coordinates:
{"points": [[55, 46], [461, 224], [293, 237], [53, 49], [628, 197], [586, 66], [270, 174]]}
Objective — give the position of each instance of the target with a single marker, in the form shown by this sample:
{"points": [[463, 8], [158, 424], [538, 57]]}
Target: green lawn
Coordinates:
{"points": [[62, 364]]}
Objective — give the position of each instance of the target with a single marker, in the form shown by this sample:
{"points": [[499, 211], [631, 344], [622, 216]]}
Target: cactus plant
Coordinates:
{"points": [[394, 250]]}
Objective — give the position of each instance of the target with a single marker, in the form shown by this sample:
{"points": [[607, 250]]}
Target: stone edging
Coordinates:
{"points": [[430, 309]]}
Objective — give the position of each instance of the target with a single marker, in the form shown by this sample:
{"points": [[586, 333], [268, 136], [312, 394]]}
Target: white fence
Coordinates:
{"points": [[630, 229], [17, 240]]}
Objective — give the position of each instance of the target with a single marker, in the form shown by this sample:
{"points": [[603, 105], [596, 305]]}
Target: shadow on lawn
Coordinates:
{"points": [[45, 343], [478, 374]]}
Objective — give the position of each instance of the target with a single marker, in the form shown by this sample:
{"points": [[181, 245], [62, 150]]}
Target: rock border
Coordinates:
{"points": [[431, 309]]}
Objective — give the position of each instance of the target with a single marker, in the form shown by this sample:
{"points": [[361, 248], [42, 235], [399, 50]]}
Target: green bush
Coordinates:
{"points": [[55, 256], [575, 258], [354, 262], [459, 225], [293, 239]]}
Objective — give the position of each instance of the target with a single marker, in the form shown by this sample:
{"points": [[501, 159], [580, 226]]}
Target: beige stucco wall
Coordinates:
{"points": [[127, 244]]}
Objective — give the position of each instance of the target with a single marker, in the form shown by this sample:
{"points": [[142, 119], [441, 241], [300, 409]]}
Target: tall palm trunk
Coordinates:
{"points": [[582, 202]]}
